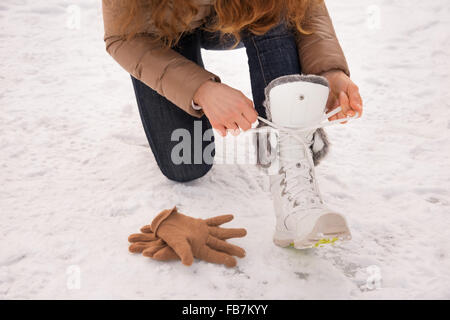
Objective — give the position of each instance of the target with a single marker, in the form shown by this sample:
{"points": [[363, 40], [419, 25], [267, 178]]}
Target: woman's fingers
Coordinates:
{"points": [[232, 127], [243, 123], [250, 114], [345, 105], [217, 221], [225, 247], [335, 117], [224, 234], [355, 99], [242, 116], [220, 128], [142, 237], [350, 103], [209, 255], [227, 109], [248, 111], [247, 115], [332, 103]]}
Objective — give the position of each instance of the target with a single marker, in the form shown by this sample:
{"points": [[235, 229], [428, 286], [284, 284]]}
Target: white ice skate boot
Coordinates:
{"points": [[296, 106]]}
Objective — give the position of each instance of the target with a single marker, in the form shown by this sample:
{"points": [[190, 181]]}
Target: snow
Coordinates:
{"points": [[77, 176]]}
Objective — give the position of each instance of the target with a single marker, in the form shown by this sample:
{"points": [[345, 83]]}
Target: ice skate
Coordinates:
{"points": [[295, 106]]}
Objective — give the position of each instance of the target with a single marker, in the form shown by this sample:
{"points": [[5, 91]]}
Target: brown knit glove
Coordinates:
{"points": [[173, 234]]}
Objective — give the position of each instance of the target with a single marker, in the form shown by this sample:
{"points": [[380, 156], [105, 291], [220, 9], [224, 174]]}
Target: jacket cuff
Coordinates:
{"points": [[160, 218], [195, 106]]}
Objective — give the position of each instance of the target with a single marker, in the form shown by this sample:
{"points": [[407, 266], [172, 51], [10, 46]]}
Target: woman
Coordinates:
{"points": [[159, 42]]}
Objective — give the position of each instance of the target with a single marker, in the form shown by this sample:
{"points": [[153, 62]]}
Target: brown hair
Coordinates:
{"points": [[168, 17]]}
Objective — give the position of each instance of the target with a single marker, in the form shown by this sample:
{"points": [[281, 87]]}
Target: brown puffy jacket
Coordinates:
{"points": [[177, 78]]}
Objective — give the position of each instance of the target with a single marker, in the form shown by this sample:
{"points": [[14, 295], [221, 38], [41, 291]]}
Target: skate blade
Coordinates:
{"points": [[319, 243], [315, 242], [328, 230], [322, 242]]}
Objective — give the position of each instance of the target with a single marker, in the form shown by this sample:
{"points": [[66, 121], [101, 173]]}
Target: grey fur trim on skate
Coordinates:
{"points": [[321, 144], [320, 153]]}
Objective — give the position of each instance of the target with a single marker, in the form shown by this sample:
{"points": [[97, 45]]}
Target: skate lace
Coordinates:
{"points": [[299, 186]]}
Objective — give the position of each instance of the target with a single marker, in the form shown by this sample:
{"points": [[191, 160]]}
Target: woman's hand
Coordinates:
{"points": [[225, 107], [344, 93]]}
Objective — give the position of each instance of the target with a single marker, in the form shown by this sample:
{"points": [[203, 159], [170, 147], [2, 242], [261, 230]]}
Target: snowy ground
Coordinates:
{"points": [[77, 178]]}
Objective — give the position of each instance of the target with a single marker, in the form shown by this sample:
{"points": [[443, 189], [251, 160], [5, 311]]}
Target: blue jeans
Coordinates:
{"points": [[270, 56]]}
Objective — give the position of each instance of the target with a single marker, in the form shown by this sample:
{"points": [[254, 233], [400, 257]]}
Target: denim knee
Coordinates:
{"points": [[186, 173]]}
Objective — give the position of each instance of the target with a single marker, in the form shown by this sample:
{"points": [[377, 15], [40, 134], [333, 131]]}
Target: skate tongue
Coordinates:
{"points": [[298, 104]]}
